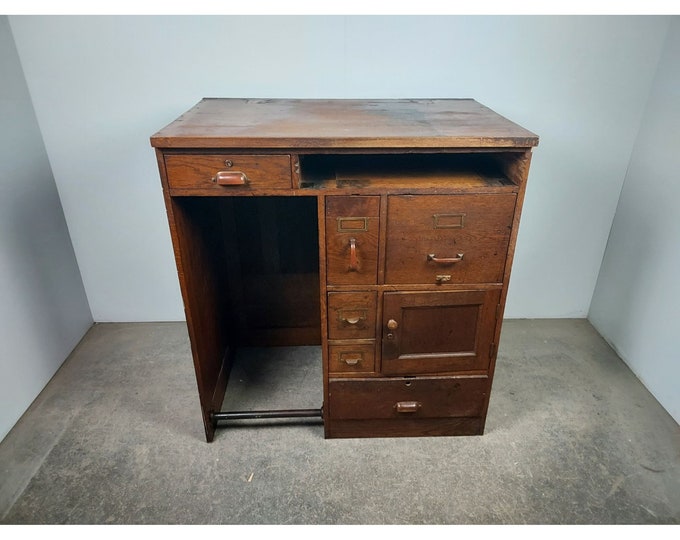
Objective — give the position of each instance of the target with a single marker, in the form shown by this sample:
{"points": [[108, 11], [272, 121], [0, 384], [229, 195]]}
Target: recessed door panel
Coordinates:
{"points": [[430, 332]]}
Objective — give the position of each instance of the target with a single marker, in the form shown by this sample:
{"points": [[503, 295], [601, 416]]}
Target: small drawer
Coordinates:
{"points": [[228, 172], [355, 358], [423, 397], [448, 239], [352, 224], [351, 315]]}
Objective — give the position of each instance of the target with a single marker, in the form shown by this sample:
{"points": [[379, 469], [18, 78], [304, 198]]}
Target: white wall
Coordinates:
{"points": [[636, 305], [43, 309], [102, 85]]}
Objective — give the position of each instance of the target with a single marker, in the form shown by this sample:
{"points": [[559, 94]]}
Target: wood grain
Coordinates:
{"points": [[438, 397], [438, 332], [187, 171], [476, 226], [380, 123], [351, 315], [347, 219]]}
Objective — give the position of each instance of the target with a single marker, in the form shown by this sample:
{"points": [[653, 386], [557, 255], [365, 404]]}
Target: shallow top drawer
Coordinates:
{"points": [[228, 172]]}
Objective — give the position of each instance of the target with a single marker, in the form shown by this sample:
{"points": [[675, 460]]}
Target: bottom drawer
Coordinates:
{"points": [[422, 397]]}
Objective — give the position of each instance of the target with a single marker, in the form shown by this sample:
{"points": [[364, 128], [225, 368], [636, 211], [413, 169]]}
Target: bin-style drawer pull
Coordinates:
{"points": [[444, 260], [230, 178], [352, 317], [351, 360], [408, 406]]}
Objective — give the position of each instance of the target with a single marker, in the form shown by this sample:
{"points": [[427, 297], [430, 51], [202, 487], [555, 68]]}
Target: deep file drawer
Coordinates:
{"points": [[448, 238], [352, 225]]}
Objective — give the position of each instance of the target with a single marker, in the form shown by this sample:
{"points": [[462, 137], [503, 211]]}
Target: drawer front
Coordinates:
{"points": [[351, 315], [435, 397], [354, 358], [448, 239], [352, 225], [228, 172]]}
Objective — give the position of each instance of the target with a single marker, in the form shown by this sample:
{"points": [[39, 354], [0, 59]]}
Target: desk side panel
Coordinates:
{"points": [[196, 254]]}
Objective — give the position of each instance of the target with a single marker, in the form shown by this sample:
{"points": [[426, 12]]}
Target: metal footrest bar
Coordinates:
{"points": [[256, 415]]}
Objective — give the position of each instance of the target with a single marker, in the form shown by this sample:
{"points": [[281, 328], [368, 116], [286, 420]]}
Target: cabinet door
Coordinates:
{"points": [[434, 332]]}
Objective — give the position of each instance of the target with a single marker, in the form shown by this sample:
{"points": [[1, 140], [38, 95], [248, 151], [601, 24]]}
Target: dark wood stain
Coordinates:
{"points": [[382, 230]]}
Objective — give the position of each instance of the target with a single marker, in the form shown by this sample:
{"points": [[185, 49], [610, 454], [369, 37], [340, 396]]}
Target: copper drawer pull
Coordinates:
{"points": [[408, 406], [353, 260], [444, 260], [230, 178]]}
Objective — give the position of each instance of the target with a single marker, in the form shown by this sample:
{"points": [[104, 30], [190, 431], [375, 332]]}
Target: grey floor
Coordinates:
{"points": [[572, 437]]}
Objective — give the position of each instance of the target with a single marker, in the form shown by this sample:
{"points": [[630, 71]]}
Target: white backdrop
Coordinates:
{"points": [[636, 305], [43, 308], [102, 85]]}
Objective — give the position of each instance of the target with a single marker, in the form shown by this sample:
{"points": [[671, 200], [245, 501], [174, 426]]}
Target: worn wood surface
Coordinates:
{"points": [[199, 255], [186, 171], [398, 123]]}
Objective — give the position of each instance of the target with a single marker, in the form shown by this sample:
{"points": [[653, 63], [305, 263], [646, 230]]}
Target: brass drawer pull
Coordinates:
{"points": [[444, 260], [352, 317], [408, 407], [230, 178], [351, 361]]}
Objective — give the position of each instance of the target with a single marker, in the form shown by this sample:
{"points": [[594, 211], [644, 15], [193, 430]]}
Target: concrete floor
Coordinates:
{"points": [[572, 437]]}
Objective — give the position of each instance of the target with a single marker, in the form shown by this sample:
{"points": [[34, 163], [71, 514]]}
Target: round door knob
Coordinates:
{"points": [[392, 324]]}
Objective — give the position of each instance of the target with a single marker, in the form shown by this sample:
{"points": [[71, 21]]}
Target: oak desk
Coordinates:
{"points": [[381, 230]]}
